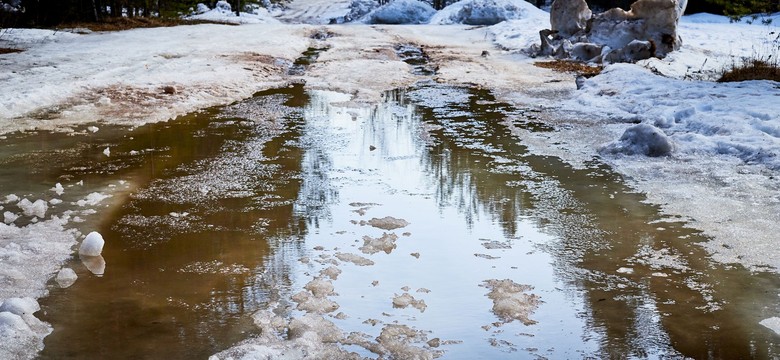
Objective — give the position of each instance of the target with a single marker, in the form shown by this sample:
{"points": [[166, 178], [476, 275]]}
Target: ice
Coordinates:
{"points": [[384, 243], [58, 189], [483, 12], [388, 223], [94, 129], [92, 244], [331, 272], [92, 199], [404, 300], [511, 300], [9, 217], [107, 152], [642, 139], [320, 287], [66, 277], [37, 208], [401, 12], [772, 323], [11, 198], [20, 331], [353, 258]]}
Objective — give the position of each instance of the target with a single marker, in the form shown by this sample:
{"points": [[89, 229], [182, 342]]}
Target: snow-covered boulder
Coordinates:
{"points": [[401, 12], [642, 139], [649, 29], [92, 244], [569, 17], [483, 12]]}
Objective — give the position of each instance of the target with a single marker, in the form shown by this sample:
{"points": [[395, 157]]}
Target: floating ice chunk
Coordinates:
{"points": [[11, 198], [625, 270], [355, 259], [385, 243], [405, 300], [55, 201], [92, 199], [388, 223], [772, 323], [92, 244], [95, 129], [9, 217], [37, 208], [95, 264], [332, 272], [642, 139], [66, 277], [58, 189], [313, 304], [320, 287], [510, 300], [107, 152]]}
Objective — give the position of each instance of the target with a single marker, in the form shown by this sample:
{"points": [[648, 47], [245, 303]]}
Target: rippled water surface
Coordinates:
{"points": [[223, 213]]}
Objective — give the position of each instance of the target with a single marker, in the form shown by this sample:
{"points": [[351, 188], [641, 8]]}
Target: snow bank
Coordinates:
{"points": [[484, 12], [223, 13], [20, 330], [401, 12]]}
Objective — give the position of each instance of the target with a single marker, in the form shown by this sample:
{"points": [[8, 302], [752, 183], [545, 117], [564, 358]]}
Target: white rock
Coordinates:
{"points": [[92, 245]]}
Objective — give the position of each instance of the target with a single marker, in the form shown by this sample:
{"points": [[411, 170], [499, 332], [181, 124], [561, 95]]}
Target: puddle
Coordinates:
{"points": [[305, 60], [417, 58], [420, 226]]}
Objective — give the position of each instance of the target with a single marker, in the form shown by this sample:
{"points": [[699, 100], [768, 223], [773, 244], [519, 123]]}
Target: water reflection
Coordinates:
{"points": [[235, 209]]}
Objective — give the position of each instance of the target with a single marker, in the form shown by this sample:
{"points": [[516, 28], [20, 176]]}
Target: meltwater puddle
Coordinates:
{"points": [[418, 228]]}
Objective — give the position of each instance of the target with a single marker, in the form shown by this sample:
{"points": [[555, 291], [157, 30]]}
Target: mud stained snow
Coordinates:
{"points": [[418, 227]]}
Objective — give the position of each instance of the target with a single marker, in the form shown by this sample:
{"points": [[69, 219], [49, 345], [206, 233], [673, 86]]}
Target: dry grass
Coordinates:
{"points": [[9, 51], [752, 70], [123, 23], [571, 66]]}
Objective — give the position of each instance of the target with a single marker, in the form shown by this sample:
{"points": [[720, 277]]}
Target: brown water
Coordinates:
{"points": [[230, 210]]}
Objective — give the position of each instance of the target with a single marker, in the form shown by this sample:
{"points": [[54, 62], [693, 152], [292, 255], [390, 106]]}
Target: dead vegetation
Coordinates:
{"points": [[8, 51], [125, 23], [571, 66], [754, 69]]}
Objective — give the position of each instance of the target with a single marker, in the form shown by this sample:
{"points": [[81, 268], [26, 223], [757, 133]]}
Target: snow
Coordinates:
{"points": [[37, 208], [484, 12], [92, 199], [223, 13], [92, 245], [401, 12]]}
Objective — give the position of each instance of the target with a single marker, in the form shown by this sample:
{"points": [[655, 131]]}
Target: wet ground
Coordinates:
{"points": [[488, 252]]}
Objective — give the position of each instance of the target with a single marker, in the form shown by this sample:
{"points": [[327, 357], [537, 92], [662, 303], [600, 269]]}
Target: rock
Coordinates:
{"points": [[169, 90], [569, 17], [642, 139]]}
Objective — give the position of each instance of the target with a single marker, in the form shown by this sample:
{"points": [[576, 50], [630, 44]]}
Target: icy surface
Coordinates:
{"points": [[223, 12], [772, 323], [66, 277]]}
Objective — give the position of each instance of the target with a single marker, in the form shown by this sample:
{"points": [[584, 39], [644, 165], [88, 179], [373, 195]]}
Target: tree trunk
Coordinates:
{"points": [[238, 7]]}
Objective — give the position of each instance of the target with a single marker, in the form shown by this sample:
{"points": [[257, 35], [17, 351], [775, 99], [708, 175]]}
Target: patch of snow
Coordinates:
{"points": [[400, 12], [388, 223], [405, 300], [58, 189], [223, 13], [9, 217], [484, 12], [511, 300], [642, 139], [384, 243], [353, 258]]}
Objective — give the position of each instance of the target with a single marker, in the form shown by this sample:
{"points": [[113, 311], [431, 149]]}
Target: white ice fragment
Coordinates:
{"points": [[388, 223], [11, 198], [404, 300], [37, 208], [385, 243], [55, 201], [95, 129], [9, 217], [625, 270], [510, 300], [107, 152], [353, 258], [772, 323], [58, 189], [92, 244], [66, 277], [92, 199]]}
